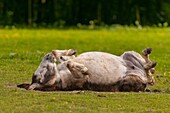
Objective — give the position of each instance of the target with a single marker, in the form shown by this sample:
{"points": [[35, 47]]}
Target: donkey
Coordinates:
{"points": [[97, 71]]}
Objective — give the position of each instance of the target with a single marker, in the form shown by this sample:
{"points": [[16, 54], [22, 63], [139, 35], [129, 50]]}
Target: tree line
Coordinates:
{"points": [[73, 12]]}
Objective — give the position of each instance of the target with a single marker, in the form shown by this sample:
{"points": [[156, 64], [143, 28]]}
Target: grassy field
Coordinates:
{"points": [[21, 51]]}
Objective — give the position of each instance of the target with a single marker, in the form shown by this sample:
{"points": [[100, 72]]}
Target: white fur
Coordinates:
{"points": [[100, 68]]}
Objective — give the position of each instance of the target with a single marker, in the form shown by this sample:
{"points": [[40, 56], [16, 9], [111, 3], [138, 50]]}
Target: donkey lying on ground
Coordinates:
{"points": [[96, 71]]}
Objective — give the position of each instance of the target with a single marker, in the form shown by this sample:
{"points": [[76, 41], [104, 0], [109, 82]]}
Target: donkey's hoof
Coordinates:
{"points": [[152, 70], [147, 51], [71, 52], [150, 65], [154, 64], [148, 90]]}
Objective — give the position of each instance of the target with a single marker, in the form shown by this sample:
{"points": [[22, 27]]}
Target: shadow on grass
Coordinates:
{"points": [[50, 89]]}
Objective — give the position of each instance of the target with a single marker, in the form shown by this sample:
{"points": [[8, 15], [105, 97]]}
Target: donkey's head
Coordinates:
{"points": [[45, 68]]}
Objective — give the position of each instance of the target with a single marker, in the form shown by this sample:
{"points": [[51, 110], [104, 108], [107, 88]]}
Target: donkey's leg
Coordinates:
{"points": [[68, 52], [59, 53], [79, 72], [149, 66], [35, 86], [146, 53], [64, 55]]}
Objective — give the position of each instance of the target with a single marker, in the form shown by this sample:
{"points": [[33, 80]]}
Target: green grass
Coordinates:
{"points": [[22, 50]]}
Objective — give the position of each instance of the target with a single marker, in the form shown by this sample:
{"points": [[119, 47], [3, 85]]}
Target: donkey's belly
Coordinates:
{"points": [[103, 68]]}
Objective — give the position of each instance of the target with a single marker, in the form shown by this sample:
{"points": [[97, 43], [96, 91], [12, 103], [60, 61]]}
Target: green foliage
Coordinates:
{"points": [[23, 49], [59, 13]]}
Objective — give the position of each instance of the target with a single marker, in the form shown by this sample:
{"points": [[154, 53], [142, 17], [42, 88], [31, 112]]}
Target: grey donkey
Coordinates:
{"points": [[97, 71]]}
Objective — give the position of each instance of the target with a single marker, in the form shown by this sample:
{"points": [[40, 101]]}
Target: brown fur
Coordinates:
{"points": [[131, 83]]}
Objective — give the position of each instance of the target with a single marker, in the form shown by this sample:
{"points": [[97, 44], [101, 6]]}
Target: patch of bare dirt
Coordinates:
{"points": [[11, 85]]}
